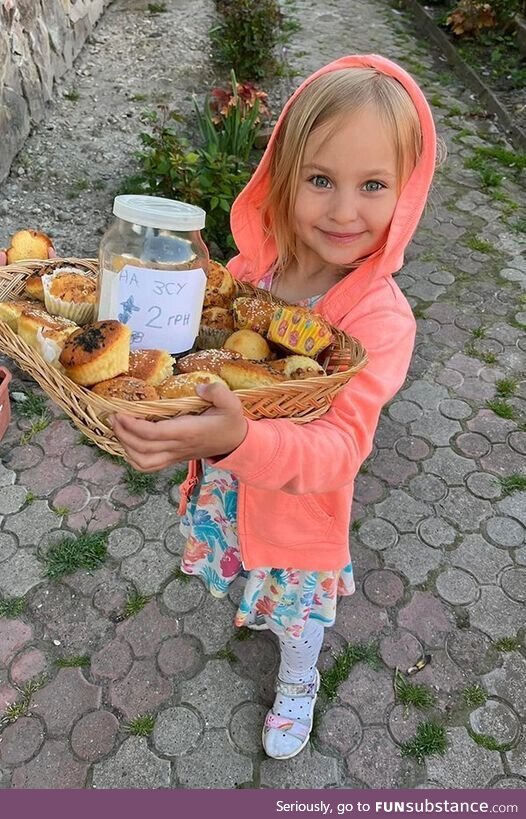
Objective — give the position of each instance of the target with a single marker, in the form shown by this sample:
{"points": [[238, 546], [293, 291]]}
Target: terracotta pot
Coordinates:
{"points": [[5, 406]]}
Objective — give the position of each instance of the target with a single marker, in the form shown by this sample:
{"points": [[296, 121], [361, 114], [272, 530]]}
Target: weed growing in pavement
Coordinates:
{"points": [[72, 95], [178, 477], [506, 387], [343, 663], [513, 483], [478, 244], [36, 426], [226, 654], [76, 661], [243, 633], [156, 8], [501, 408], [61, 511], [479, 332], [355, 525], [430, 740], [30, 497], [474, 695], [141, 726], [488, 358], [488, 742], [12, 607], [508, 644], [519, 226], [139, 483], [135, 602], [87, 551], [416, 694], [20, 707], [178, 574], [32, 405]]}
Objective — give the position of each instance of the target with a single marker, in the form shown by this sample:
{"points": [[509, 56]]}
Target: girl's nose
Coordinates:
{"points": [[343, 208]]}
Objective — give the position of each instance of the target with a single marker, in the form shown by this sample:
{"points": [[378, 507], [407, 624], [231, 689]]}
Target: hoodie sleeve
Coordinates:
{"points": [[328, 452]]}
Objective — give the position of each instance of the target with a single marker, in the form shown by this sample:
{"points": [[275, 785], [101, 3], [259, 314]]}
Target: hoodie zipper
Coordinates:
{"points": [[188, 486]]}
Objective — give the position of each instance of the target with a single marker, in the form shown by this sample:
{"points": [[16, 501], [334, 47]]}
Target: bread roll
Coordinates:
{"points": [[220, 286], [151, 366], [249, 344], [183, 386], [97, 352], [241, 375], [206, 360], [295, 367], [10, 312], [252, 314], [126, 388]]}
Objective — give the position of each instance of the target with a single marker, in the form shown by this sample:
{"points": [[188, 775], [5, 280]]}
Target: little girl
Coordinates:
{"points": [[323, 222]]}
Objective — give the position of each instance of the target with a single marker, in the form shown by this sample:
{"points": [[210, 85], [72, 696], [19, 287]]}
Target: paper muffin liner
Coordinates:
{"points": [[295, 329], [79, 312], [212, 338]]}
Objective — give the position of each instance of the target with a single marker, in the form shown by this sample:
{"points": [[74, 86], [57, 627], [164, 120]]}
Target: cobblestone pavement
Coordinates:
{"points": [[438, 536]]}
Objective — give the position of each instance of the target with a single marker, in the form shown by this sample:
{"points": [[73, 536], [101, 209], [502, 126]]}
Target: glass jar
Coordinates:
{"points": [[153, 267]]}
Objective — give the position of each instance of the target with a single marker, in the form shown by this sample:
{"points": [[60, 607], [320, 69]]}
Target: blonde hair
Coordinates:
{"points": [[326, 100]]}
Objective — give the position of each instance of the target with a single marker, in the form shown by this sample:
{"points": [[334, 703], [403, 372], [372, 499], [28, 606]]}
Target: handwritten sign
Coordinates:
{"points": [[162, 307]]}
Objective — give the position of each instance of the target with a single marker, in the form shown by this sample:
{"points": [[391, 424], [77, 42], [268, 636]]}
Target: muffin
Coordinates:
{"points": [[71, 293], [183, 386], [10, 312], [249, 344], [240, 375], [299, 330], [252, 314], [35, 323], [97, 352], [220, 286], [126, 388], [217, 324], [206, 360], [151, 366], [295, 367]]}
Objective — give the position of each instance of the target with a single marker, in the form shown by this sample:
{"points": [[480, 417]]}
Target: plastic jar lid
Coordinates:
{"points": [[157, 212]]}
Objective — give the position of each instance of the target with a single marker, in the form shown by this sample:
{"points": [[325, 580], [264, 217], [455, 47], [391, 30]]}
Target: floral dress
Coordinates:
{"points": [[286, 596]]}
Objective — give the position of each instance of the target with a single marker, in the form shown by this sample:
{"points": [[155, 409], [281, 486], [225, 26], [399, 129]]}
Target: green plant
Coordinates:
{"points": [[156, 8], [36, 426], [72, 95], [343, 663], [488, 358], [416, 694], [135, 602], [12, 607], [178, 477], [226, 654], [506, 387], [430, 740], [141, 726], [178, 574], [478, 332], [243, 633], [31, 405], [513, 483], [139, 483], [87, 551], [508, 644], [246, 37], [488, 742], [20, 707], [30, 497], [474, 695], [61, 511], [501, 408], [475, 243], [76, 661]]}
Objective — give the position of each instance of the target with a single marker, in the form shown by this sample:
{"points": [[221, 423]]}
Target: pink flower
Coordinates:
{"points": [[230, 563]]}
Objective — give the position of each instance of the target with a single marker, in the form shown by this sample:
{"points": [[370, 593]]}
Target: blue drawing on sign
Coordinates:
{"points": [[128, 307], [136, 337]]}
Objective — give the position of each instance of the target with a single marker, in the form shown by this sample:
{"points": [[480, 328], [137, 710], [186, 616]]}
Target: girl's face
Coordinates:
{"points": [[347, 192]]}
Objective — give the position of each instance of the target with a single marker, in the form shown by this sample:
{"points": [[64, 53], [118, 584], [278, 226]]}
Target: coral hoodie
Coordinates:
{"points": [[296, 481]]}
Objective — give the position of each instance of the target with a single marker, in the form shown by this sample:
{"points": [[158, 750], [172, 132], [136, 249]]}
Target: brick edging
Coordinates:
{"points": [[470, 77]]}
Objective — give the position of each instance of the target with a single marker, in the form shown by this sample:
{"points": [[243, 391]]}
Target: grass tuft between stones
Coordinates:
{"points": [[135, 602], [430, 740], [12, 607], [343, 663], [508, 644], [75, 661], [415, 694], [474, 695], [513, 483], [488, 742], [141, 726], [139, 483], [501, 408], [87, 551]]}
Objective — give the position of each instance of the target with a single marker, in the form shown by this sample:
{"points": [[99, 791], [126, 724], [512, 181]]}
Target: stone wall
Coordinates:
{"points": [[39, 39]]}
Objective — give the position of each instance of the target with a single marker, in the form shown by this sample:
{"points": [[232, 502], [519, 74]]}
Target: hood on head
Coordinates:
{"points": [[257, 251]]}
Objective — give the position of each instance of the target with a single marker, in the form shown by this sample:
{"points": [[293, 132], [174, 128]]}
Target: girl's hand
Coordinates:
{"points": [[154, 445]]}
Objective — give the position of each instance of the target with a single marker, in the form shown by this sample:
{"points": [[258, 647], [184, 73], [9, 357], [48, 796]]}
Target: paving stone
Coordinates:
{"points": [[110, 599], [505, 532], [246, 726], [178, 656], [497, 615], [427, 327], [46, 477], [383, 588], [435, 427], [215, 692], [497, 720], [258, 658], [149, 568], [86, 583], [112, 662], [413, 558], [457, 587], [58, 437], [426, 617], [377, 762], [174, 540], [393, 469], [307, 770], [69, 619], [400, 649], [31, 523], [480, 558], [72, 497], [121, 496], [402, 511], [493, 427], [388, 432], [177, 731], [102, 475], [403, 723], [124, 541], [21, 740], [133, 766], [436, 532], [225, 767], [450, 378], [96, 516], [7, 546], [463, 510], [212, 623], [369, 691], [184, 594], [7, 476], [339, 731], [146, 630], [424, 393], [483, 485], [12, 499], [63, 700], [428, 488], [27, 665], [20, 573], [510, 782], [142, 690], [14, 634], [358, 620], [8, 695], [513, 582], [54, 768], [472, 444], [333, 644], [503, 461], [509, 681], [363, 559], [465, 764], [449, 466], [517, 441], [416, 449], [469, 650], [154, 517], [475, 389], [404, 412], [516, 759], [377, 534], [80, 456], [368, 489], [94, 735], [514, 506]]}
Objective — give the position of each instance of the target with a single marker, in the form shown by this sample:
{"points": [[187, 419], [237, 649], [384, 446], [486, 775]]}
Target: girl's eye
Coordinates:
{"points": [[372, 186], [320, 181]]}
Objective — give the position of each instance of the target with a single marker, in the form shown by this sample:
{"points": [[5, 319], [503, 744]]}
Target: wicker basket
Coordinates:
{"points": [[300, 401]]}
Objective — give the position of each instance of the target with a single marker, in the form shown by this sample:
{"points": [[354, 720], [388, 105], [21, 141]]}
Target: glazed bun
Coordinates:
{"points": [[97, 352], [151, 366], [252, 314], [206, 360], [126, 388], [183, 386], [241, 375], [249, 344], [220, 286]]}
